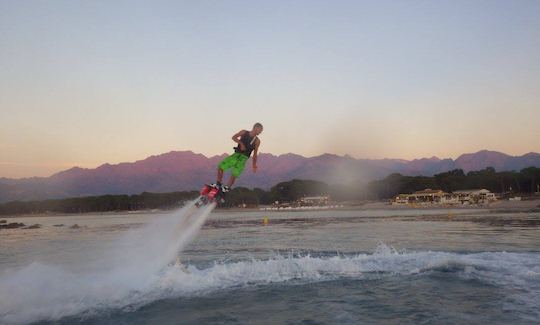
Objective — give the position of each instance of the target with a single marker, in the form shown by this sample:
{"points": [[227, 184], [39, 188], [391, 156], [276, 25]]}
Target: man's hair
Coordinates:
{"points": [[257, 125]]}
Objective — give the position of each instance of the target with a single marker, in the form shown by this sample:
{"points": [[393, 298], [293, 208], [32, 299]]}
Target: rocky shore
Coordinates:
{"points": [[17, 225]]}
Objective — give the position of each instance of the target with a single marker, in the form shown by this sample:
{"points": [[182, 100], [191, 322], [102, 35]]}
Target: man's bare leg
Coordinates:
{"points": [[219, 175], [231, 181]]}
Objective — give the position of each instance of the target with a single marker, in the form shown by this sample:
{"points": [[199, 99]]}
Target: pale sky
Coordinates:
{"points": [[88, 82]]}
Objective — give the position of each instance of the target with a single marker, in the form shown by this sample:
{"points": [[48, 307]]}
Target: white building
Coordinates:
{"points": [[439, 197], [314, 201], [478, 196]]}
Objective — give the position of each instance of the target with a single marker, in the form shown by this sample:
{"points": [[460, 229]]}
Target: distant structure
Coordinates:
{"points": [[305, 203], [475, 196], [314, 201], [439, 197]]}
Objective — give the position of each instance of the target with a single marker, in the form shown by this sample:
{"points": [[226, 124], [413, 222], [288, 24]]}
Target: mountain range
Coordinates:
{"points": [[186, 170]]}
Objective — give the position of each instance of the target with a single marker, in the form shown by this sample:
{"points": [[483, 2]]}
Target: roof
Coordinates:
{"points": [[315, 198], [472, 191], [429, 191]]}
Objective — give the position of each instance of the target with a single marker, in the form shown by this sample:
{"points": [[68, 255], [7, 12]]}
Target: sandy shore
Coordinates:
{"points": [[517, 205], [503, 206]]}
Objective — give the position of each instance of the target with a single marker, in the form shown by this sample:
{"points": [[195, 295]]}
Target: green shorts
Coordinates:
{"points": [[236, 162]]}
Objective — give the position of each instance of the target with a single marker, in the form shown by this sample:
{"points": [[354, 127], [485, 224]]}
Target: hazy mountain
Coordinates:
{"points": [[185, 170], [497, 160]]}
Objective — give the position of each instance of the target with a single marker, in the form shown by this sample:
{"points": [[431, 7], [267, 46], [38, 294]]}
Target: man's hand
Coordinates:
{"points": [[254, 168], [236, 138]]}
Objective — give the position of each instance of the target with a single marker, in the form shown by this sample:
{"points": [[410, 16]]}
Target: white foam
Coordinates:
{"points": [[516, 271]]}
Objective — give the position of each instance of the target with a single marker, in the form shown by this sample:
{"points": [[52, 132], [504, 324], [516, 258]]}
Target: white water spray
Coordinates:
{"points": [[118, 277]]}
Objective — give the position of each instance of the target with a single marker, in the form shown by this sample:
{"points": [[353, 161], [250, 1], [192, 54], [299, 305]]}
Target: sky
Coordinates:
{"points": [[88, 82]]}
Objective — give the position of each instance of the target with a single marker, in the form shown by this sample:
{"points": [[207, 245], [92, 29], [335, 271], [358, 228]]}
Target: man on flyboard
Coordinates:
{"points": [[248, 143]]}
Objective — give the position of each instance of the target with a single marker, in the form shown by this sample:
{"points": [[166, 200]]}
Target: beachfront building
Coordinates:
{"points": [[314, 201], [306, 203], [439, 197], [480, 196], [425, 197]]}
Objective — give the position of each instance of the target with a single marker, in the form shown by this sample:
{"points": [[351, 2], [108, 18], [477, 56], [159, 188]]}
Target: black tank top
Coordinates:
{"points": [[249, 143]]}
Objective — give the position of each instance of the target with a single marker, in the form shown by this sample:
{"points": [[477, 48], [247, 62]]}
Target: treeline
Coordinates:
{"points": [[524, 181], [282, 192], [101, 203], [510, 182]]}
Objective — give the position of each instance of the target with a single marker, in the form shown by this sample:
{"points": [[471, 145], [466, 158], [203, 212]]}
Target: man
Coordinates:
{"points": [[248, 143]]}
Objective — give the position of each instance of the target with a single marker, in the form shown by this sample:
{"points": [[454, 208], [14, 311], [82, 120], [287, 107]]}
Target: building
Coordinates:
{"points": [[305, 203], [425, 197], [439, 197], [314, 201], [475, 196]]}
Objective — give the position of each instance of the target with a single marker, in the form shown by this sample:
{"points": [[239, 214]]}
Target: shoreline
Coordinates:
{"points": [[496, 207]]}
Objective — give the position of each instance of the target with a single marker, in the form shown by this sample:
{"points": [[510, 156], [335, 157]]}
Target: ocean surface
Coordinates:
{"points": [[311, 267]]}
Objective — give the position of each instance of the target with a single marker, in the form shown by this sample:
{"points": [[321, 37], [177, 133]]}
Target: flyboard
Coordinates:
{"points": [[209, 197], [210, 194]]}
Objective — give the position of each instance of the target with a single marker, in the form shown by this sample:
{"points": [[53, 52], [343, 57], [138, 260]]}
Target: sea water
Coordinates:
{"points": [[363, 266]]}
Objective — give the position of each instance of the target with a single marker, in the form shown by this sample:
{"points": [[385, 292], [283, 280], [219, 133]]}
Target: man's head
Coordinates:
{"points": [[257, 128]]}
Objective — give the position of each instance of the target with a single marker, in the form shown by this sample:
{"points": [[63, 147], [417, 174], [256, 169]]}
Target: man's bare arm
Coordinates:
{"points": [[255, 152], [236, 138]]}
